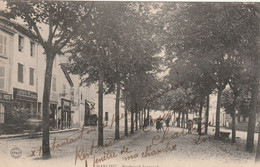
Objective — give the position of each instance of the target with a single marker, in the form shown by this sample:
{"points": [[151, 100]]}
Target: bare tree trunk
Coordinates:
{"points": [[183, 119], [132, 116], [179, 119], [148, 116], [132, 121], [252, 120], [200, 115], [233, 140], [117, 134], [174, 117], [142, 118], [257, 64], [46, 100], [126, 121], [139, 117], [207, 116], [136, 117], [257, 156], [187, 118], [217, 128], [254, 100], [100, 108], [145, 119]]}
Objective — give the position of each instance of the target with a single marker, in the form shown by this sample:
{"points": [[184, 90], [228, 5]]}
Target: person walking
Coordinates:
{"points": [[167, 121], [161, 124], [158, 125], [59, 117], [190, 126]]}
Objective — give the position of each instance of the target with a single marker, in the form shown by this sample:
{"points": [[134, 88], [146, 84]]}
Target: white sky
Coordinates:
{"points": [[2, 5]]}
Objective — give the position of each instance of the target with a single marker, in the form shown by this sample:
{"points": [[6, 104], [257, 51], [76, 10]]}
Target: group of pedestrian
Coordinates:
{"points": [[160, 121], [159, 124]]}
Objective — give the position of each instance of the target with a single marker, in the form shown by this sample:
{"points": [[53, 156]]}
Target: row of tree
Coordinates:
{"points": [[207, 46], [120, 55], [213, 47], [113, 44]]}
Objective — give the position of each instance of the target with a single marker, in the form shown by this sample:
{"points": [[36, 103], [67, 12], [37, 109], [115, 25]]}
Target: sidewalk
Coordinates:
{"points": [[37, 133], [148, 148], [239, 134]]}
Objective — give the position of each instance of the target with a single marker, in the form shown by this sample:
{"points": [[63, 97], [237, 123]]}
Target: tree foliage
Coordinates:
{"points": [[62, 20]]}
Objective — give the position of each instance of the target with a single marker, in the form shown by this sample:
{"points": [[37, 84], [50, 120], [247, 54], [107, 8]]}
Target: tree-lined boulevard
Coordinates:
{"points": [[190, 148], [203, 49]]}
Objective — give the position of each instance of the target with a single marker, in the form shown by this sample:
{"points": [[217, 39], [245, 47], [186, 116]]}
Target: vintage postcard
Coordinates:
{"points": [[129, 84]]}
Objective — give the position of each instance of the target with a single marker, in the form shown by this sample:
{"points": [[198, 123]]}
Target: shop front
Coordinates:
{"points": [[24, 106], [53, 111], [5, 108], [87, 114], [90, 117], [65, 114], [7, 123]]}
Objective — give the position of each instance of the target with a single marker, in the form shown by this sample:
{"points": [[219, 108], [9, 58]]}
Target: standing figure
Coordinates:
{"points": [[190, 126], [167, 121], [151, 121], [158, 124], [161, 124], [59, 117]]}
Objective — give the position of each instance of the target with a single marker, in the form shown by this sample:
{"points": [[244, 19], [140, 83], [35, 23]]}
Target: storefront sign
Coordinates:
{"points": [[5, 98], [21, 94], [54, 97], [66, 103]]}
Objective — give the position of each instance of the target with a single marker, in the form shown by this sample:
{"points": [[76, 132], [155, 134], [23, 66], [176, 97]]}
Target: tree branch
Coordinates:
{"points": [[50, 29], [35, 28], [64, 43], [54, 31]]}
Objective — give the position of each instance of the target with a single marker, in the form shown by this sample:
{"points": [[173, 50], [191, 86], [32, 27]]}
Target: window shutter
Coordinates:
{"points": [[2, 77]]}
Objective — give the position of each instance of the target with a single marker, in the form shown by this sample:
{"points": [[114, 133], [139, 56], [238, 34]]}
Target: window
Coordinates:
{"points": [[20, 43], [20, 72], [54, 84], [72, 91], [39, 113], [31, 76], [3, 45], [2, 113], [32, 49], [64, 89], [106, 116], [2, 77]]}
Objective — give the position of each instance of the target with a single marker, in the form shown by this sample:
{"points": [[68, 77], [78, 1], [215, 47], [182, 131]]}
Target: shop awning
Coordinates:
{"points": [[5, 98]]}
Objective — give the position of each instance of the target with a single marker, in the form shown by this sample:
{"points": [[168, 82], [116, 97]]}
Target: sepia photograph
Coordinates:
{"points": [[129, 83]]}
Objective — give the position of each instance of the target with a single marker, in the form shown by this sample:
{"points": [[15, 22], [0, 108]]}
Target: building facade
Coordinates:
{"points": [[17, 71], [6, 41], [22, 70]]}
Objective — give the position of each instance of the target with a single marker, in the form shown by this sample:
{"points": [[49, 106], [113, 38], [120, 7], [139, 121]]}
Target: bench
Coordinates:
{"points": [[224, 136]]}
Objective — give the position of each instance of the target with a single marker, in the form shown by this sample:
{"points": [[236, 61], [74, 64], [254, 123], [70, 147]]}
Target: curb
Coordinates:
{"points": [[37, 133]]}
